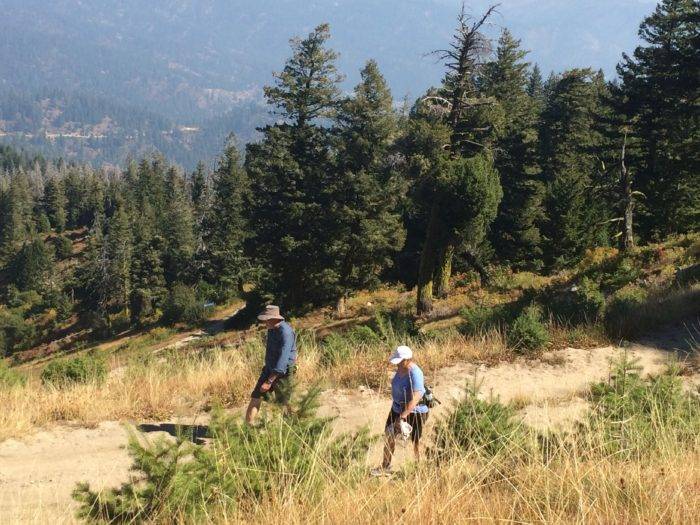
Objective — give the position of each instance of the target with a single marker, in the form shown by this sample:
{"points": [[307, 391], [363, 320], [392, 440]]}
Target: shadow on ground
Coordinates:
{"points": [[681, 338], [194, 433]]}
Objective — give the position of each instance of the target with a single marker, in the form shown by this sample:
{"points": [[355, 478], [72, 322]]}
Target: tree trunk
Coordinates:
{"points": [[627, 201], [340, 306], [443, 270], [426, 270], [473, 261]]}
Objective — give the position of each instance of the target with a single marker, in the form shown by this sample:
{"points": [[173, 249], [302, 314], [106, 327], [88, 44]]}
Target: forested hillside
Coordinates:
{"points": [[96, 130], [105, 80], [495, 167]]}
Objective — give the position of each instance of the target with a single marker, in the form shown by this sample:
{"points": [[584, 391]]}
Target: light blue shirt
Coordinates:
{"points": [[281, 349], [402, 388]]}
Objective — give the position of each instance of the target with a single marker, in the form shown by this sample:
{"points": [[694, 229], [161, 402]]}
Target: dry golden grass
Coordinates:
{"points": [[134, 392], [564, 491], [187, 381]]}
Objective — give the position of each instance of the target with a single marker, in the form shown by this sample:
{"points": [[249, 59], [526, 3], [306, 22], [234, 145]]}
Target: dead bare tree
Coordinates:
{"points": [[627, 199], [463, 59]]}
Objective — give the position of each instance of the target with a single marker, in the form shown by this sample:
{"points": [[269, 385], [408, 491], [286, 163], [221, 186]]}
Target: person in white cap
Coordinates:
{"points": [[407, 410], [280, 359]]}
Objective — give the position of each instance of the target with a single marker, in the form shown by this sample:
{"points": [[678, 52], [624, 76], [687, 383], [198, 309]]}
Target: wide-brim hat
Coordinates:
{"points": [[270, 312]]}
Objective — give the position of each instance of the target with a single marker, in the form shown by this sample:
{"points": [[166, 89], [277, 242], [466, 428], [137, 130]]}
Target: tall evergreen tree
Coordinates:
{"points": [[178, 231], [93, 277], [16, 206], [535, 84], [307, 88], [222, 261], [32, 267], [465, 111], [364, 227], [661, 82], [74, 190], [119, 249], [575, 220], [289, 170], [515, 234], [147, 274], [199, 192], [55, 203]]}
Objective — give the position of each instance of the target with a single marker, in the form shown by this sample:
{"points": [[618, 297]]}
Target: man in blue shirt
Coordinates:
{"points": [[280, 359]]}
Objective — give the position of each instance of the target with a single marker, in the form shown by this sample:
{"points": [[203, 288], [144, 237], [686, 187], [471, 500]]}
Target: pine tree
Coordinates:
{"points": [[94, 279], [16, 205], [199, 192], [575, 220], [421, 147], [307, 87], [94, 200], [466, 112], [74, 191], [119, 250], [535, 84], [32, 267], [150, 188], [289, 170], [55, 203], [364, 229], [661, 82], [147, 273], [178, 231], [515, 234], [222, 261]]}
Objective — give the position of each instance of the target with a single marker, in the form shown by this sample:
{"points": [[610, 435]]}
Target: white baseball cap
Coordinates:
{"points": [[402, 352]]}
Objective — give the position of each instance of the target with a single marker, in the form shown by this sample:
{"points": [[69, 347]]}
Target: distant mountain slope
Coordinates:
{"points": [[178, 64], [93, 129], [204, 56]]}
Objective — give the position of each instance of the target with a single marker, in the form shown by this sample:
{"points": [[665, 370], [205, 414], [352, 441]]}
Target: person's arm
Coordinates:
{"points": [[413, 403], [418, 389]]}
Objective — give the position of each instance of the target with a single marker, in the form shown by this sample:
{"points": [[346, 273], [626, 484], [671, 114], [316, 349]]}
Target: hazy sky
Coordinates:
{"points": [[565, 33]]}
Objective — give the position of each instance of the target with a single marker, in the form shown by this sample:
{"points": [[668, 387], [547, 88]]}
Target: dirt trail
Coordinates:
{"points": [[37, 474]]}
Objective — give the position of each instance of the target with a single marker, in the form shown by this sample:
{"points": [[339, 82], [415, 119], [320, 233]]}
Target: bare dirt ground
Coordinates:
{"points": [[37, 474]]}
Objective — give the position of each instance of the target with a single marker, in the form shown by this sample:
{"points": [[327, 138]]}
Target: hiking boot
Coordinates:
{"points": [[381, 471]]}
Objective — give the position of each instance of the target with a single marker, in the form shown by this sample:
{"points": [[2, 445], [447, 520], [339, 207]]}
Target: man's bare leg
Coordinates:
{"points": [[389, 446], [252, 411]]}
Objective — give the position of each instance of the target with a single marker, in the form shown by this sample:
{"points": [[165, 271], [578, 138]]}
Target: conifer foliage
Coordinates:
{"points": [[495, 166]]}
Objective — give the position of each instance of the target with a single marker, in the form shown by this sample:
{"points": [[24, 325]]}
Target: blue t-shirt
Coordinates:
{"points": [[402, 388]]}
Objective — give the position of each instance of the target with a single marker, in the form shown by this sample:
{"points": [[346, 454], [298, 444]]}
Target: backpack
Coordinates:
{"points": [[429, 399]]}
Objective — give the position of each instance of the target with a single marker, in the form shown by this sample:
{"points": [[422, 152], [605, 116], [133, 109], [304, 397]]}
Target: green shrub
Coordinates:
{"points": [[288, 457], [622, 274], [582, 303], [485, 428], [15, 332], [622, 310], [338, 347], [29, 301], [478, 318], [9, 377], [687, 275], [82, 369], [394, 328], [63, 247], [61, 302], [119, 322], [635, 417], [183, 306], [528, 332]]}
